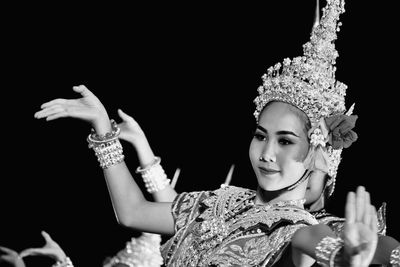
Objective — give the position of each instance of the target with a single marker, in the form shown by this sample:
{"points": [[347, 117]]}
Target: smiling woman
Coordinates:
{"points": [[188, 76], [238, 226], [279, 148]]}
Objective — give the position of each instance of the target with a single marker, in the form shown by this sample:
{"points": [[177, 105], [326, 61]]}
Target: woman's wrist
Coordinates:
{"points": [[101, 124], [145, 153], [60, 255], [102, 127], [154, 176], [107, 146], [330, 252]]}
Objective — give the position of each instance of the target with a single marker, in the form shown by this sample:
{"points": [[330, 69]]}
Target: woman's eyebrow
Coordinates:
{"points": [[279, 132]]}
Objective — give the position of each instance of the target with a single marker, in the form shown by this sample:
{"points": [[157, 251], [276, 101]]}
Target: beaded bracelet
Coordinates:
{"points": [[66, 262], [99, 138], [154, 176], [327, 250], [107, 147], [141, 251], [395, 257], [109, 153]]}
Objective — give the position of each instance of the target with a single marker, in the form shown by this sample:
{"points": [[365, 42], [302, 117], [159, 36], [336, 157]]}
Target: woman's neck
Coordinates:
{"points": [[264, 197]]}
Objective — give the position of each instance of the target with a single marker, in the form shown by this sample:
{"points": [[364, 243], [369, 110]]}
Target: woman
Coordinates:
{"points": [[318, 191], [277, 164], [234, 226]]}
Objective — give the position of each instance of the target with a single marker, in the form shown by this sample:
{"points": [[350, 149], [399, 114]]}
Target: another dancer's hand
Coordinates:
{"points": [[360, 229], [50, 249], [87, 108], [10, 256]]}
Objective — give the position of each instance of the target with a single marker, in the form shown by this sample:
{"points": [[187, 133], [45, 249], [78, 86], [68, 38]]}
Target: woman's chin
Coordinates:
{"points": [[270, 187]]}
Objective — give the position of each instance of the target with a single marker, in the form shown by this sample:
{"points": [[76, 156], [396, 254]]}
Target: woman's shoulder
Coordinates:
{"points": [[230, 189], [224, 190]]}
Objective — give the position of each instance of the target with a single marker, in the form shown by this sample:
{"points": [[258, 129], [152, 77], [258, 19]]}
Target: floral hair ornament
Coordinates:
{"points": [[333, 133]]}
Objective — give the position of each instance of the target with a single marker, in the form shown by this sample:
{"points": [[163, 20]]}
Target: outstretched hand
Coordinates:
{"points": [[130, 129], [360, 229], [87, 108], [11, 256], [50, 249], [133, 133]]}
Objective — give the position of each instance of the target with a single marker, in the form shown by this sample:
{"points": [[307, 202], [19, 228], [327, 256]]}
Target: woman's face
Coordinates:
{"points": [[279, 146]]}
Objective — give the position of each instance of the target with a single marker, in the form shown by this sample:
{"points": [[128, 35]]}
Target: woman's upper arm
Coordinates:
{"points": [[156, 217]]}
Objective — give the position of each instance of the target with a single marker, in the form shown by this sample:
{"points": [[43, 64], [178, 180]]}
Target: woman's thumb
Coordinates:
{"points": [[123, 115], [81, 89], [46, 236]]}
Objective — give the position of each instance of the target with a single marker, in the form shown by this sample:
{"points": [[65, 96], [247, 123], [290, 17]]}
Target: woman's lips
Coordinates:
{"points": [[267, 171]]}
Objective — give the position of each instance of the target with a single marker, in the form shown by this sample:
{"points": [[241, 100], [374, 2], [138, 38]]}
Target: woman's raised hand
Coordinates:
{"points": [[360, 229], [133, 133], [11, 257], [130, 129], [50, 249], [87, 108]]}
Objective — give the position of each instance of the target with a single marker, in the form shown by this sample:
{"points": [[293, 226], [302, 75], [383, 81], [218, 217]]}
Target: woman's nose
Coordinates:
{"points": [[268, 154]]}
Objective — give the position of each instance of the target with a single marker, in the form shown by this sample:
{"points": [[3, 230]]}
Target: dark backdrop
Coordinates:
{"points": [[188, 75]]}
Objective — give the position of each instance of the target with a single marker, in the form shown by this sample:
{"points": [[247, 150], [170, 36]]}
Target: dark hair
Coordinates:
{"points": [[328, 188]]}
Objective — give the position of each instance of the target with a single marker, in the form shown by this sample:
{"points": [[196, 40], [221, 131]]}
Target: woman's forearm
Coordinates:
{"points": [[130, 206], [125, 194]]}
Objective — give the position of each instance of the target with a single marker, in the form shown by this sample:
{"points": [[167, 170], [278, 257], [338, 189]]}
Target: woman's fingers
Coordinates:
{"points": [[6, 250], [83, 90], [123, 115], [58, 101], [47, 237], [360, 203], [29, 252], [126, 117], [350, 210], [367, 216], [374, 219], [49, 111]]}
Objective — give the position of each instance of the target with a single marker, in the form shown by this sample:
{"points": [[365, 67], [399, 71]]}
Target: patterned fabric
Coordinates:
{"points": [[225, 228], [337, 223]]}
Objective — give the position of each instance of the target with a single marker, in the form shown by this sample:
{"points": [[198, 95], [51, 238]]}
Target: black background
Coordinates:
{"points": [[188, 74]]}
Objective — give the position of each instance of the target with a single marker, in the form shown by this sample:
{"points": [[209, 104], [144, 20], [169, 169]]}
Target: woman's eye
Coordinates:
{"points": [[259, 137], [285, 142]]}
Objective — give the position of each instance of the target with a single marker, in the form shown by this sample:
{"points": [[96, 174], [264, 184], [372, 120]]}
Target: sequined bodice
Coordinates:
{"points": [[225, 228]]}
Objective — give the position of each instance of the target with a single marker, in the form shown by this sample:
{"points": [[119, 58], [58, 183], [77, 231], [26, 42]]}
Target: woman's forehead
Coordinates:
{"points": [[279, 116]]}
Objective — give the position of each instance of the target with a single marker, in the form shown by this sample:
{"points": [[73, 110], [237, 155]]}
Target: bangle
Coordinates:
{"points": [[96, 139], [154, 176], [66, 262], [395, 257], [156, 161], [109, 153], [107, 147], [327, 250], [99, 138]]}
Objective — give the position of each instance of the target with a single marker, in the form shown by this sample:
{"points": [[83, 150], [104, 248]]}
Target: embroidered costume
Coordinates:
{"points": [[225, 228]]}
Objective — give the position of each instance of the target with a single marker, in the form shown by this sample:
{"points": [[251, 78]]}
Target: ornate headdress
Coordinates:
{"points": [[308, 83]]}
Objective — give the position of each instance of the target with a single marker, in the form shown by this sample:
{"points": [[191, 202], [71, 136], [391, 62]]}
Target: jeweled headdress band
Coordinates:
{"points": [[308, 82]]}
